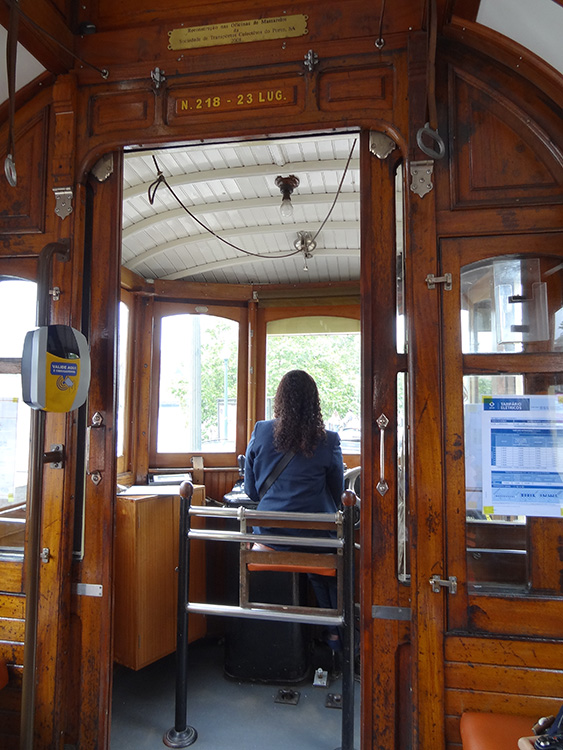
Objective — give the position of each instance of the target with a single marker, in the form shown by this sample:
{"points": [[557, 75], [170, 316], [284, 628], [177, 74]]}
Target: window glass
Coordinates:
{"points": [[16, 294], [328, 348], [513, 472], [403, 562], [15, 416], [400, 262], [123, 343], [197, 407], [504, 306]]}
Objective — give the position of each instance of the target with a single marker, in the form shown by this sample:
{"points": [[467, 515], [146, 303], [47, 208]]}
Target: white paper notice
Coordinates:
{"points": [[523, 455]]}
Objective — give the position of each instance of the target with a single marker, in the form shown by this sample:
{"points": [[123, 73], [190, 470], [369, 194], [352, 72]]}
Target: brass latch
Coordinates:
{"points": [[446, 279], [437, 583]]}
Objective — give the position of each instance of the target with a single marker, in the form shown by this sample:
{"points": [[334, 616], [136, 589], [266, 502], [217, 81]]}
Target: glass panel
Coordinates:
{"points": [[122, 365], [513, 472], [328, 348], [512, 305], [400, 256], [16, 295], [198, 384], [15, 416], [403, 562]]}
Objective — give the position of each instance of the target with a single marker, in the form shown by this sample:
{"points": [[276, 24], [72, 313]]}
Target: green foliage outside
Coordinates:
{"points": [[333, 360]]}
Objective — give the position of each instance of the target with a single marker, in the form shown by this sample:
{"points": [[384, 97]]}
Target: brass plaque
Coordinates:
{"points": [[237, 32]]}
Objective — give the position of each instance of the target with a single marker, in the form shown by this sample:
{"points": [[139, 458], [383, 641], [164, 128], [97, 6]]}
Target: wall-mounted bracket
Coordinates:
{"points": [[311, 60], [88, 589], [63, 204], [421, 173], [55, 457], [380, 144]]}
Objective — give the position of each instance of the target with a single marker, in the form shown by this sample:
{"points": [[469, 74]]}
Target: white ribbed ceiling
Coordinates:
{"points": [[236, 232]]}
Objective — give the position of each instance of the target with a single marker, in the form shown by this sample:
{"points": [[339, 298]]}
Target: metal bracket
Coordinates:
{"points": [[103, 168], [45, 555], [158, 78], [446, 280], [380, 612], [63, 198], [55, 457], [380, 144], [55, 293], [333, 700], [311, 59], [421, 173], [288, 696], [437, 583], [321, 678], [88, 589]]}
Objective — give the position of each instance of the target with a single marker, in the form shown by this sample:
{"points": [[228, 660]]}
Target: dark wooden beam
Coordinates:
{"points": [[44, 32]]}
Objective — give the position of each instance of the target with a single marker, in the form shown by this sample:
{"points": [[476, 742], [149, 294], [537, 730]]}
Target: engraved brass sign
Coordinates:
{"points": [[237, 32]]}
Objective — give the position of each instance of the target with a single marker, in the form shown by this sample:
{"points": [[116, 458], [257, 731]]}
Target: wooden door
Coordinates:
{"points": [[384, 579], [503, 425]]}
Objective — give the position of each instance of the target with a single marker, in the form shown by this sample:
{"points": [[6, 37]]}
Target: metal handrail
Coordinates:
{"points": [[182, 734]]}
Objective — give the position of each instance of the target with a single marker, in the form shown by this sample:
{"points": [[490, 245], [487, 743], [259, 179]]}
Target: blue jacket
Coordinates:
{"points": [[311, 485]]}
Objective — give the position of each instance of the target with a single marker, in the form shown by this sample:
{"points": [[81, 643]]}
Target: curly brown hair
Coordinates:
{"points": [[299, 423]]}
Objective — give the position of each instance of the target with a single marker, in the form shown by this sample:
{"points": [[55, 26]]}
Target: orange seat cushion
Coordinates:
{"points": [[488, 731], [292, 569]]}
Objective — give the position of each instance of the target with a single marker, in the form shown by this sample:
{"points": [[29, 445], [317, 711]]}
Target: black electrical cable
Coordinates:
{"points": [[161, 180]]}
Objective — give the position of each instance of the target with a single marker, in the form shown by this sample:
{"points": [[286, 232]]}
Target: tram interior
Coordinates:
{"points": [[213, 215]]}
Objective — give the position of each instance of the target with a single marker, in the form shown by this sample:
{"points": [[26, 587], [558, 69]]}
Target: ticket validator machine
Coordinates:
{"points": [[55, 368]]}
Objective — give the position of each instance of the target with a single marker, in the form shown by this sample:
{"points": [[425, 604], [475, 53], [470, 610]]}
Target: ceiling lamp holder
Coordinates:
{"points": [[287, 185], [305, 244]]}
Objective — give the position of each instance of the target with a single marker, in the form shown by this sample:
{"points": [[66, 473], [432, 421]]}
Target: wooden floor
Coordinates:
{"points": [[227, 714]]}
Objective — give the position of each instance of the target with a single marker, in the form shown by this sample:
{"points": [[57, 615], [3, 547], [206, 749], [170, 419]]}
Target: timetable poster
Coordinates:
{"points": [[523, 455]]}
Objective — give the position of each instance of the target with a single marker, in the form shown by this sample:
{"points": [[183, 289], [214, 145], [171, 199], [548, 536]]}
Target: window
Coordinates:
{"points": [[123, 383], [196, 407], [328, 348], [14, 414], [513, 420]]}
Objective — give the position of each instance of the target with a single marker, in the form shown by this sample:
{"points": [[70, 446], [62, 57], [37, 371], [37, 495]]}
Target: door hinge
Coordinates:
{"points": [[437, 583], [421, 173], [446, 280]]}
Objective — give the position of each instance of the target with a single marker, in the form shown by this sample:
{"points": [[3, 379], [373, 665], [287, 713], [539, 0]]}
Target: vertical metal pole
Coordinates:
{"points": [[349, 501], [182, 735]]}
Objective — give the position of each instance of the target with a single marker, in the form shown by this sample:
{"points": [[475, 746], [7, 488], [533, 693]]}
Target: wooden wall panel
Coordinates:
{"points": [[501, 676], [369, 89], [12, 577], [22, 208], [324, 18], [219, 481], [108, 111], [499, 152]]}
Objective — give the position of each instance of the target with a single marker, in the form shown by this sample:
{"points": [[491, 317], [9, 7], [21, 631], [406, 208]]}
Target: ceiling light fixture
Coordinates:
{"points": [[305, 244], [287, 185]]}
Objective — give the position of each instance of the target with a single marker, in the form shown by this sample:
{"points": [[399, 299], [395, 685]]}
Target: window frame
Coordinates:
{"points": [[235, 312], [124, 461], [280, 310]]}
